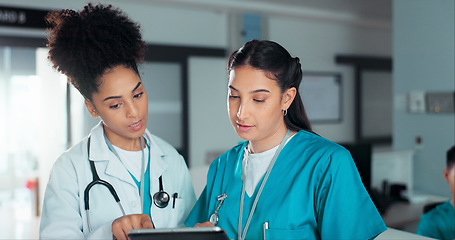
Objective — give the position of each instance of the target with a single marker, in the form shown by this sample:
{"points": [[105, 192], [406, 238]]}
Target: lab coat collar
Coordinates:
{"points": [[99, 151]]}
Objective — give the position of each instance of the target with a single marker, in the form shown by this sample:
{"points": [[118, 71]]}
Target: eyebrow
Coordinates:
{"points": [[254, 91], [134, 89]]}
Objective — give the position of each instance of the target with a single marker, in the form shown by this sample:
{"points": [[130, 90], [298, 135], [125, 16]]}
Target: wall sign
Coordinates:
{"points": [[22, 17], [321, 96]]}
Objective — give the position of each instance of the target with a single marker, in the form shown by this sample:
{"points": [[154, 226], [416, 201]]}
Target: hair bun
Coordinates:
{"points": [[82, 45]]}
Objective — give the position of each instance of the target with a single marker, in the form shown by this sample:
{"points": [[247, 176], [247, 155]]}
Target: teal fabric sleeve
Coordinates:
{"points": [[314, 191], [439, 222]]}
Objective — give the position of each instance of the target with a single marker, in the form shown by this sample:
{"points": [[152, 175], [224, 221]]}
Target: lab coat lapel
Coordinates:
{"points": [[157, 165], [99, 152], [115, 168]]}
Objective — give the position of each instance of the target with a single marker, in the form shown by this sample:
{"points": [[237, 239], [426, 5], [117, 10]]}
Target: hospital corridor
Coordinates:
{"points": [[24, 112], [19, 220], [361, 93]]}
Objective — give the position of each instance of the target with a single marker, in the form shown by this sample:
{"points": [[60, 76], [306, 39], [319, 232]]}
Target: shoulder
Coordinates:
{"points": [[167, 152], [73, 155], [427, 222], [445, 207], [162, 145], [308, 150], [226, 162], [70, 168], [311, 144], [440, 210], [230, 156]]}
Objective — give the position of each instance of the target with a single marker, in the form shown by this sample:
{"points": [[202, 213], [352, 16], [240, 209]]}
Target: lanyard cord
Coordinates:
{"points": [[240, 235], [141, 190]]}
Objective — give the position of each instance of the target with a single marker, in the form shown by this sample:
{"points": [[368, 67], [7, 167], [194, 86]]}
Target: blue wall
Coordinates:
{"points": [[424, 60]]}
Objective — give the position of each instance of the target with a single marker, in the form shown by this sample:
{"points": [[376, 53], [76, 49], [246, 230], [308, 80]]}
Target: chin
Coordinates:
{"points": [[244, 135], [138, 134]]}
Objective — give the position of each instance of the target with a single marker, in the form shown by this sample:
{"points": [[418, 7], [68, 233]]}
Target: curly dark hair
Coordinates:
{"points": [[83, 45]]}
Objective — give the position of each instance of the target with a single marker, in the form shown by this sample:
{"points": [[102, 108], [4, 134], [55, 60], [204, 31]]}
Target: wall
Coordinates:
{"points": [[160, 24], [317, 42], [210, 129], [424, 55], [314, 36]]}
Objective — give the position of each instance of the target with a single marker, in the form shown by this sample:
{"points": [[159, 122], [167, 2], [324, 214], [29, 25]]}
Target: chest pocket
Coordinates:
{"points": [[170, 216], [303, 233]]}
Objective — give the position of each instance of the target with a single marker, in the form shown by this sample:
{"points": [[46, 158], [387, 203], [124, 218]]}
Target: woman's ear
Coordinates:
{"points": [[91, 108], [288, 98]]}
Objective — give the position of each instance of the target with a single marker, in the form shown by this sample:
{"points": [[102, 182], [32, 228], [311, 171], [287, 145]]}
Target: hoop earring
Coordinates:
{"points": [[285, 112]]}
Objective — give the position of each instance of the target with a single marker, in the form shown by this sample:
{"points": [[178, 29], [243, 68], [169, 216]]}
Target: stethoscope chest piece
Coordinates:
{"points": [[161, 199]]}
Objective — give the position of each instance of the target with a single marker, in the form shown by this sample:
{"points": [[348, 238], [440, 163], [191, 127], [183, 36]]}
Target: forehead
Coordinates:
{"points": [[249, 78], [117, 81]]}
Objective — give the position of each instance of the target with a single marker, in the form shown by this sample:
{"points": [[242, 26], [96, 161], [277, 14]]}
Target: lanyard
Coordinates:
{"points": [[241, 236], [141, 190]]}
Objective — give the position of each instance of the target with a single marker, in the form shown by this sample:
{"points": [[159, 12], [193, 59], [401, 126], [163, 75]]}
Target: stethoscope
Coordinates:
{"points": [[160, 198]]}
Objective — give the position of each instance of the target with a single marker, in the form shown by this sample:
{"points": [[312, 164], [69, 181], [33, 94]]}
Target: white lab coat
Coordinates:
{"points": [[64, 215]]}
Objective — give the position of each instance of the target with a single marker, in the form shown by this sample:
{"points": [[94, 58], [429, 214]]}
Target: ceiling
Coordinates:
{"points": [[377, 9], [369, 10]]}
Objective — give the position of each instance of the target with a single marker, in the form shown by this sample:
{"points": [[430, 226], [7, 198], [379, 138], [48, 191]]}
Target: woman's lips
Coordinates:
{"points": [[244, 128], [136, 126]]}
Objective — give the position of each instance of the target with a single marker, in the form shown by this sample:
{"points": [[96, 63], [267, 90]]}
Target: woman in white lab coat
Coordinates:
{"points": [[141, 181]]}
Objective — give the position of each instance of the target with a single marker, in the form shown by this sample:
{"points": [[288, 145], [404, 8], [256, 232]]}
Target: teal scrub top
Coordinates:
{"points": [[147, 198], [314, 191], [439, 222]]}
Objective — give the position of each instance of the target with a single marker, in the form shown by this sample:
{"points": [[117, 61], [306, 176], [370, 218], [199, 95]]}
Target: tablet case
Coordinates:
{"points": [[200, 233]]}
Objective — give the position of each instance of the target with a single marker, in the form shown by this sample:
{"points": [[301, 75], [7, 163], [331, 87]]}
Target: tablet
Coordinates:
{"points": [[187, 233]]}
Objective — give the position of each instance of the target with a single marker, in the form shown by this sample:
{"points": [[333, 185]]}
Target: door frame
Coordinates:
{"points": [[155, 53]]}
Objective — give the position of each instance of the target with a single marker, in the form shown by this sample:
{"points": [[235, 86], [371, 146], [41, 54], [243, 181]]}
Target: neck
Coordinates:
{"points": [[128, 144], [258, 146]]}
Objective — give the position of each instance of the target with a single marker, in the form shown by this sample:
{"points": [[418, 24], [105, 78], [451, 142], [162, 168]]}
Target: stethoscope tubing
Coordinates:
{"points": [[97, 180], [160, 202]]}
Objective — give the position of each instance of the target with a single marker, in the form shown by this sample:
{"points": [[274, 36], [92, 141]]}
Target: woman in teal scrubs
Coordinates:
{"points": [[284, 181]]}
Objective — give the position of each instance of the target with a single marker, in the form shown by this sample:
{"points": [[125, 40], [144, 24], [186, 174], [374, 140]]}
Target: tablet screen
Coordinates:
{"points": [[189, 233]]}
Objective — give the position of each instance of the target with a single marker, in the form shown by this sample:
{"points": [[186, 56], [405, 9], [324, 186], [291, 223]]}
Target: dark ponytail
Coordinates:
{"points": [[274, 59]]}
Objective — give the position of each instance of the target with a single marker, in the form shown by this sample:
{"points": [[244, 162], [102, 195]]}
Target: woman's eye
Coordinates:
{"points": [[233, 96], [258, 100], [138, 95], [115, 106]]}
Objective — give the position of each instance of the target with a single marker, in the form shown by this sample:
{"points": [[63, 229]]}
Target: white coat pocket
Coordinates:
{"points": [[171, 216]]}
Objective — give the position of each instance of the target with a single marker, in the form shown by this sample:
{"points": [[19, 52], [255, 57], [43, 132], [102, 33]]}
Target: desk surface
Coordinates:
{"points": [[395, 234], [400, 214]]}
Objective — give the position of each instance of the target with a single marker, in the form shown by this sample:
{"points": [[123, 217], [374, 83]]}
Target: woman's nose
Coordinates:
{"points": [[242, 113], [131, 110]]}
